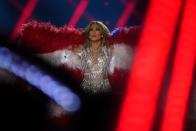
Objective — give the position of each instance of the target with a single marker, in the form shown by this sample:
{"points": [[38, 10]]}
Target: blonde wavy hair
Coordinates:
{"points": [[103, 29]]}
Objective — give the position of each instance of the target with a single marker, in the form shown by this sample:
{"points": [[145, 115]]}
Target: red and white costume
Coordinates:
{"points": [[55, 45]]}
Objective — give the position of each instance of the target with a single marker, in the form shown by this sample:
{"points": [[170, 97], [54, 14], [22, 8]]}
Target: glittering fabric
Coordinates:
{"points": [[95, 66]]}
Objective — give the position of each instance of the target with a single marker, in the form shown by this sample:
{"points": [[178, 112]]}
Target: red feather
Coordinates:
{"points": [[45, 37], [128, 36]]}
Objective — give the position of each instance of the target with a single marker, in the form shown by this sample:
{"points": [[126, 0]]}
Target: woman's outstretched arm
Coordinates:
{"points": [[124, 35], [43, 37]]}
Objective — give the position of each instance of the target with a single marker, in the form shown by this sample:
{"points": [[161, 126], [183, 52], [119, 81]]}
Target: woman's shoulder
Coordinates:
{"points": [[78, 49], [110, 48]]}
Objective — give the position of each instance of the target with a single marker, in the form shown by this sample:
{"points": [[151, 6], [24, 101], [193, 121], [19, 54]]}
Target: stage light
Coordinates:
{"points": [[40, 79]]}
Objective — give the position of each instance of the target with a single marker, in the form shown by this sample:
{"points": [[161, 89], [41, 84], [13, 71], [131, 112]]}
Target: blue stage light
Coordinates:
{"points": [[40, 79]]}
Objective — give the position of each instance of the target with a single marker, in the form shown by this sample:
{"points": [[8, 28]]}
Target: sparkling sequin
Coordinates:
{"points": [[95, 66]]}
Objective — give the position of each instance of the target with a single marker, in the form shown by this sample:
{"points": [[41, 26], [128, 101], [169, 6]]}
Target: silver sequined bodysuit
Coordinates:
{"points": [[95, 70]]}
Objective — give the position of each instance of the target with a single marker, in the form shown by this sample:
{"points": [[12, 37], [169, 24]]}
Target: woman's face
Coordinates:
{"points": [[95, 32]]}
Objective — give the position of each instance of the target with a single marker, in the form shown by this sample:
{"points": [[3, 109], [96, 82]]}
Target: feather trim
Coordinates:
{"points": [[121, 57], [72, 59], [125, 35], [45, 37], [63, 57]]}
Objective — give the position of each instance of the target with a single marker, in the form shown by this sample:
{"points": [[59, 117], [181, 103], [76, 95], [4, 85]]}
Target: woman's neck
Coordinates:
{"points": [[95, 44]]}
